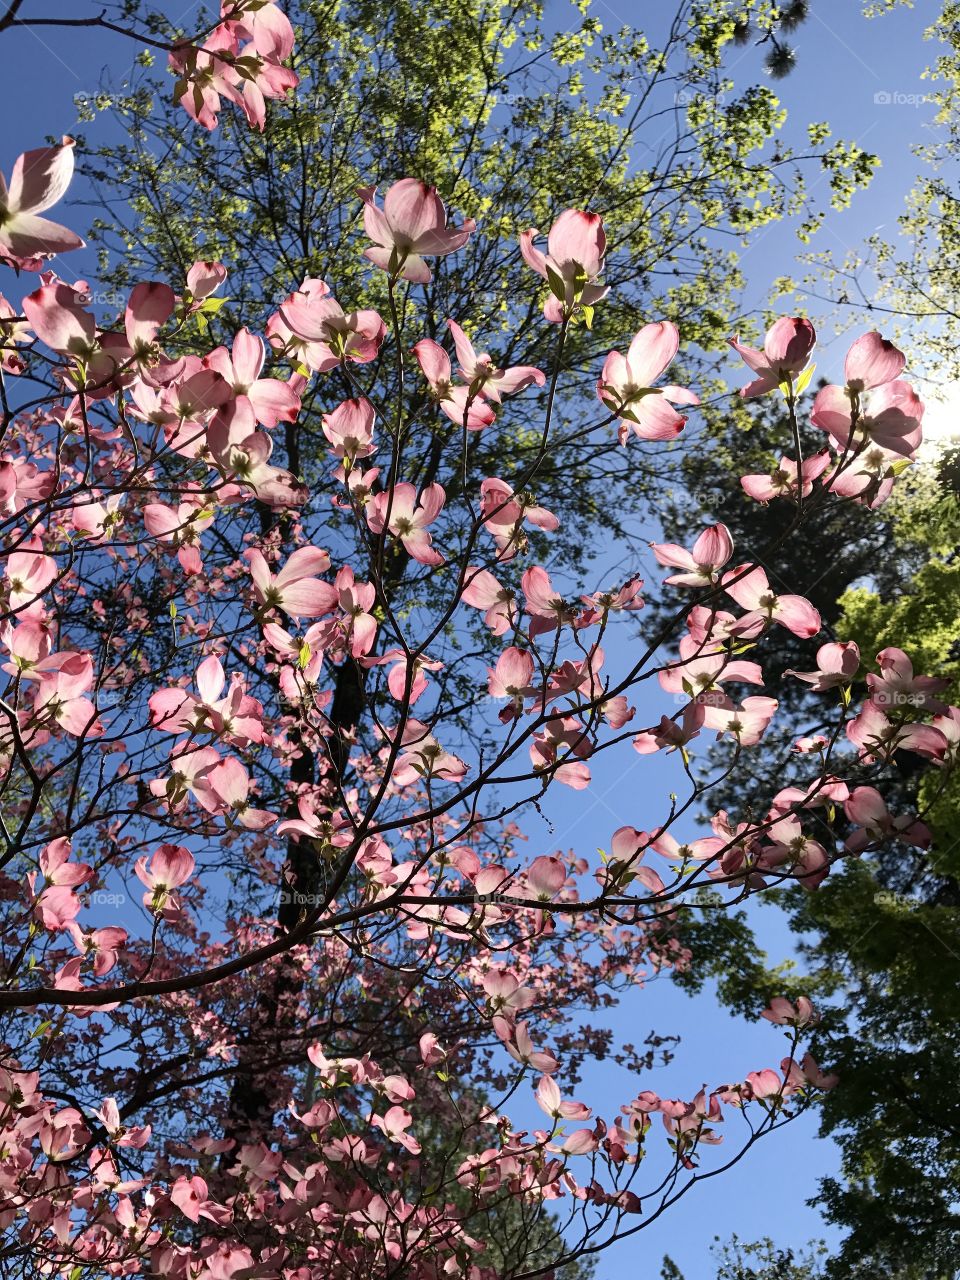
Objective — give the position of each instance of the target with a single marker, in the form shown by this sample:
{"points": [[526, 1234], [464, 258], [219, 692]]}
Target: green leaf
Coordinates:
{"points": [[557, 286], [803, 381]]}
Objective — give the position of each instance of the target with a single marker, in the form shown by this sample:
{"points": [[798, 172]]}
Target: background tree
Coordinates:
{"points": [[758, 1260], [879, 943]]}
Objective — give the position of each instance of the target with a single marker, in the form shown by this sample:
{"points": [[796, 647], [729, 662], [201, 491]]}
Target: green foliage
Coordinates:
{"points": [[758, 1260], [879, 942], [910, 282]]}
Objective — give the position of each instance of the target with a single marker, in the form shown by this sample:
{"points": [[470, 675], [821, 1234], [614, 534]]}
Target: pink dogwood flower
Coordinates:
{"points": [[180, 527], [506, 994], [356, 600], [784, 1014], [411, 226], [349, 428], [109, 1117], [483, 591], [517, 1042], [701, 565], [229, 789], [295, 589], [544, 878], [879, 737], [512, 678], [786, 350], [399, 510], [792, 848], [170, 866], [190, 767], [559, 750], [482, 376], [867, 808], [58, 316], [260, 76], [394, 1126], [896, 686], [626, 385], [269, 401], [203, 280], [58, 905], [190, 1196], [422, 756], [247, 461], [265, 25], [867, 478], [504, 513], [22, 483], [333, 831], [550, 1101], [401, 664], [746, 723], [576, 246], [751, 590], [29, 573], [872, 361], [700, 669], [14, 332], [546, 608], [892, 419], [668, 846], [669, 735], [458, 403], [312, 327], [39, 179], [103, 945], [837, 664], [238, 718], [783, 482], [28, 644], [949, 725], [60, 698]]}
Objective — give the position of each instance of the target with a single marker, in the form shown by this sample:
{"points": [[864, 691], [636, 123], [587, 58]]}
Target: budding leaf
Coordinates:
{"points": [[557, 287]]}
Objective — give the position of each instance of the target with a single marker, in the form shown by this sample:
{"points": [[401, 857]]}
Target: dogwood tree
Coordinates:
{"points": [[284, 995]]}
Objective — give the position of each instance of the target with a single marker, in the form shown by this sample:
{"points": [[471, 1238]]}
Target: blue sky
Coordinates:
{"points": [[865, 78]]}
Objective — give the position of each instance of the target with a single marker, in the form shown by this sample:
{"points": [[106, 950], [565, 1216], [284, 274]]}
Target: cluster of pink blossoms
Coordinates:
{"points": [[240, 61], [144, 466], [874, 420]]}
